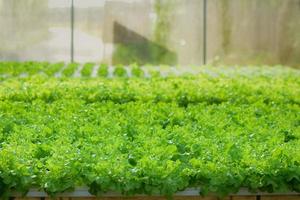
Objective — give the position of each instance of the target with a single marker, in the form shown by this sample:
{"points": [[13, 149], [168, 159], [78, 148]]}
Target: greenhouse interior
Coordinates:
{"points": [[150, 99]]}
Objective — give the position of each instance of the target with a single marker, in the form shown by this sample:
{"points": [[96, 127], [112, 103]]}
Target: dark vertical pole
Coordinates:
{"points": [[204, 30], [72, 31]]}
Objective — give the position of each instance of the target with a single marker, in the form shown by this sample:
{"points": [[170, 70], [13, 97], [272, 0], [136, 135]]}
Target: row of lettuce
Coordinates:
{"points": [[186, 90], [150, 136], [87, 70], [15, 69]]}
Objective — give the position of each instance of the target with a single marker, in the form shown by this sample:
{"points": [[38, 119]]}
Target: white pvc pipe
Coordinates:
{"points": [[83, 192]]}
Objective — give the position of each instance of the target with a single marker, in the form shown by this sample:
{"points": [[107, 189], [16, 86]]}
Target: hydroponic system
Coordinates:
{"points": [[90, 129]]}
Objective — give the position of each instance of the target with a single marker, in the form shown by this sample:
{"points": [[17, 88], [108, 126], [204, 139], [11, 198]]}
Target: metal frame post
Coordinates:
{"points": [[72, 31], [204, 31]]}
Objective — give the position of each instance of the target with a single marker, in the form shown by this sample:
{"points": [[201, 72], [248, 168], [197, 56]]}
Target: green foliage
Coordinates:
{"points": [[52, 69], [120, 71], [137, 71], [103, 70], [87, 69], [152, 136], [143, 53], [154, 73], [18, 69], [70, 69]]}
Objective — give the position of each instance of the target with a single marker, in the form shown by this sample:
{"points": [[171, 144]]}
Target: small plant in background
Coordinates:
{"points": [[70, 69], [137, 71], [87, 69], [120, 71], [103, 70], [154, 73], [32, 67], [52, 69]]}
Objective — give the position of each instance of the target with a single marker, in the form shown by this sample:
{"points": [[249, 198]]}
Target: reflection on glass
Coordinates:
{"points": [[35, 30], [151, 31]]}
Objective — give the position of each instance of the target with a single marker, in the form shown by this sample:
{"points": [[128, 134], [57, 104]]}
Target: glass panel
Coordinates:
{"points": [[151, 31], [186, 32], [143, 32], [35, 30], [88, 28], [254, 32]]}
